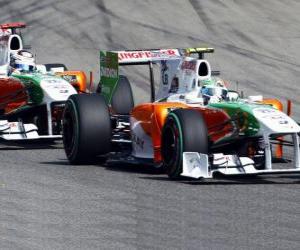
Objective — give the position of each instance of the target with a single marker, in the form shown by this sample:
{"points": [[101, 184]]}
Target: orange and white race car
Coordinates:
{"points": [[194, 126]]}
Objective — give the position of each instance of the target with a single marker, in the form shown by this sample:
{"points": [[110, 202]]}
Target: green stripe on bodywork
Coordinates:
{"points": [[32, 84], [242, 112]]}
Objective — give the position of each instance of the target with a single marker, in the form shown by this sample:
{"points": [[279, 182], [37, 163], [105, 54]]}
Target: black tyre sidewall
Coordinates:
{"points": [[91, 128], [190, 136], [122, 100], [170, 162]]}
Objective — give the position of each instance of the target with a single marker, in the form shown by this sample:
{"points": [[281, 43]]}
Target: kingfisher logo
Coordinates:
{"points": [[145, 55]]}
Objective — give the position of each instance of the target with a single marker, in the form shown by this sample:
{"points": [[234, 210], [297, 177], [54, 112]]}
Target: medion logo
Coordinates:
{"points": [[109, 72]]}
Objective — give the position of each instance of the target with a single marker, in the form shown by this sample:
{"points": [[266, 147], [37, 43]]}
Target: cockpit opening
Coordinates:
{"points": [[203, 69], [15, 43]]}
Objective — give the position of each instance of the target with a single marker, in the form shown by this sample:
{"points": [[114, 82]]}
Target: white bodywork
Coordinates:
{"points": [[197, 165], [56, 89], [142, 146], [4, 60], [186, 72], [273, 121], [17, 131], [6, 50]]}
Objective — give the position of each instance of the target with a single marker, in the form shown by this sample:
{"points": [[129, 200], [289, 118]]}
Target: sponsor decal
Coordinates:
{"points": [[109, 65], [64, 91], [109, 73], [70, 78], [144, 55], [52, 81], [138, 141], [189, 65], [272, 115], [273, 118], [265, 111]]}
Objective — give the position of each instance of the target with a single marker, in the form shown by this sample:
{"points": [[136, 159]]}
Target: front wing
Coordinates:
{"points": [[196, 165], [18, 131]]}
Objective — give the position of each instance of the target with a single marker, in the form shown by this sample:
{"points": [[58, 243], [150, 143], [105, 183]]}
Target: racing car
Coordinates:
{"points": [[31, 96], [194, 126]]}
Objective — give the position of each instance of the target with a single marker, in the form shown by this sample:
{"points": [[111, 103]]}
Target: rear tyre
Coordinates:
{"points": [[122, 100], [86, 128], [184, 131]]}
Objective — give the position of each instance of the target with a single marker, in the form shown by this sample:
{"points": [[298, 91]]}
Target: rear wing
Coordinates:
{"points": [[199, 51], [111, 60], [129, 57], [12, 26], [144, 56], [10, 35]]}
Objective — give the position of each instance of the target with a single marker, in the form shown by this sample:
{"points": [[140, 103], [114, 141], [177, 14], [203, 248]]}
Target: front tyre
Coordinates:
{"points": [[86, 128], [184, 131]]}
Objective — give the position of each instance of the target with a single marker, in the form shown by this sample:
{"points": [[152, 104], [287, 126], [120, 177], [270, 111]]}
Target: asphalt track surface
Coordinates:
{"points": [[45, 203]]}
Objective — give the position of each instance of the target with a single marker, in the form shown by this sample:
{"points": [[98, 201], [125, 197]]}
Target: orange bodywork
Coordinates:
{"points": [[76, 78], [12, 95], [277, 105], [274, 102], [152, 118]]}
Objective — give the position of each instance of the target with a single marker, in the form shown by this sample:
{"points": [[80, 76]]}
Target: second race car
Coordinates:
{"points": [[32, 96]]}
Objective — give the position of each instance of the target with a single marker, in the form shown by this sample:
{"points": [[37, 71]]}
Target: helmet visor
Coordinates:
{"points": [[24, 67], [215, 91]]}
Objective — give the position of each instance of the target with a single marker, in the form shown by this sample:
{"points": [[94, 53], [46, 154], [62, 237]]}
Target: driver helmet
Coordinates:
{"points": [[213, 90], [22, 61]]}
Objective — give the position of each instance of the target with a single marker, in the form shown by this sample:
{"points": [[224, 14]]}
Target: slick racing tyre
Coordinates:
{"points": [[184, 131], [122, 100], [86, 128]]}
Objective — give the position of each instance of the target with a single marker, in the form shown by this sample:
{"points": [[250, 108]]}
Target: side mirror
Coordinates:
{"points": [[232, 95]]}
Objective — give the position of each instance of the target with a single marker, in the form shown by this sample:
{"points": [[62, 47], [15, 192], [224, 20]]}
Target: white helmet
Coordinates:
{"points": [[214, 90], [22, 60]]}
